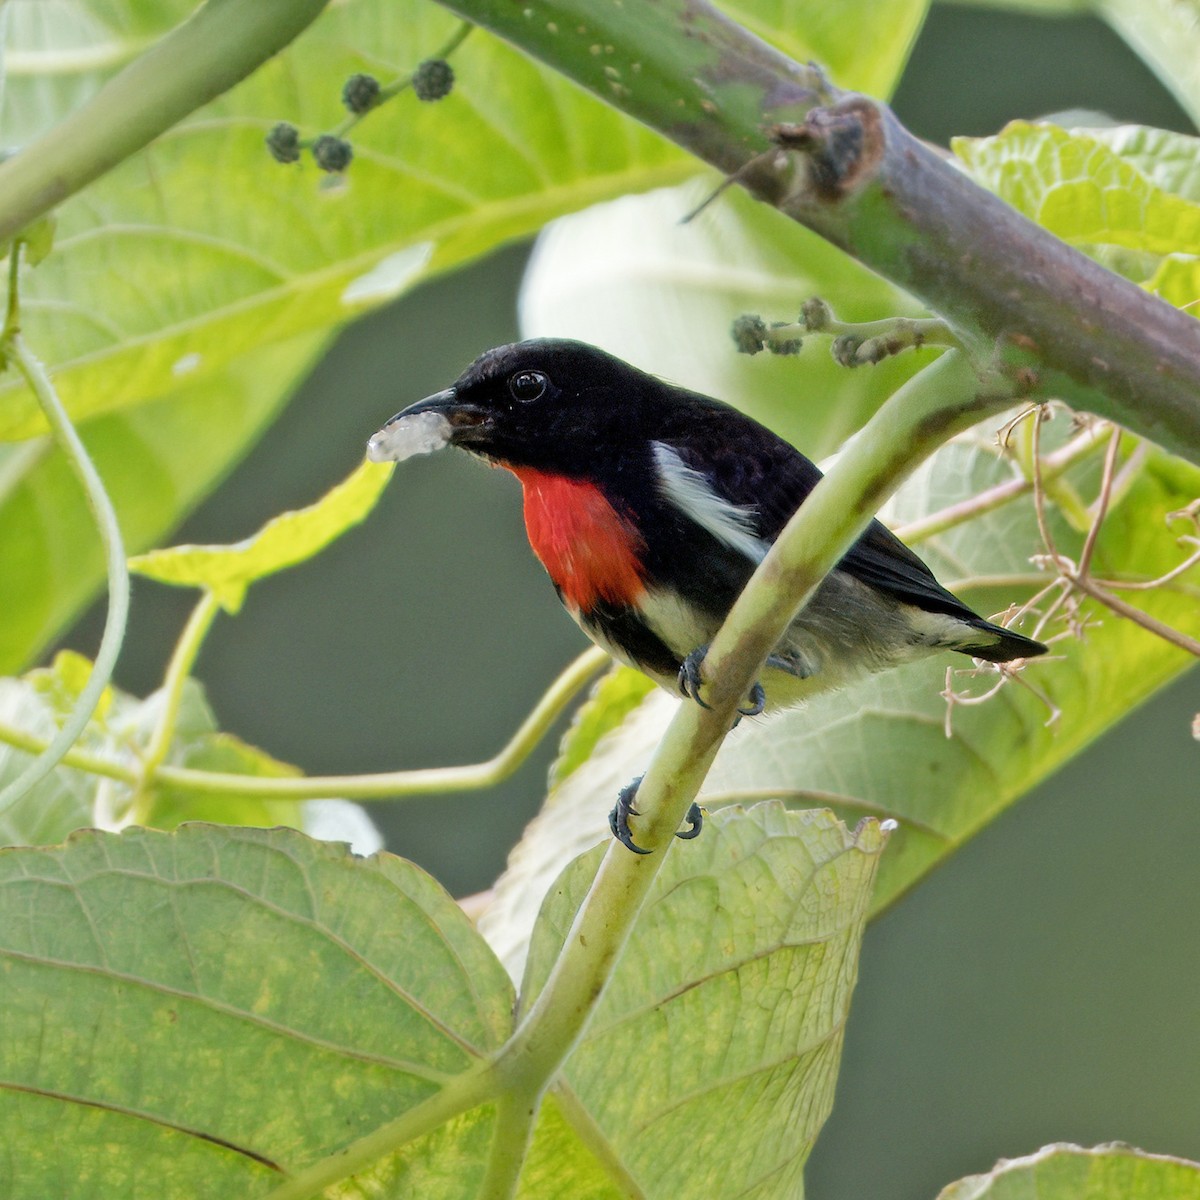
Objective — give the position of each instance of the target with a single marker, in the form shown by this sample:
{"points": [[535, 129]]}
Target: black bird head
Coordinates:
{"points": [[548, 403]]}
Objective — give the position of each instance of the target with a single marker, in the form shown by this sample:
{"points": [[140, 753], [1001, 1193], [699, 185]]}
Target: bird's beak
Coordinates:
{"points": [[437, 421]]}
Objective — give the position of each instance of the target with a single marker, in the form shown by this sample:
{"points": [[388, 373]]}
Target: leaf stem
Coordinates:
{"points": [[110, 534], [179, 668], [515, 1115], [80, 760], [383, 786]]}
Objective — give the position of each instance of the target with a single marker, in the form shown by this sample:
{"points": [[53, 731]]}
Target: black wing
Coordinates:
{"points": [[755, 468]]}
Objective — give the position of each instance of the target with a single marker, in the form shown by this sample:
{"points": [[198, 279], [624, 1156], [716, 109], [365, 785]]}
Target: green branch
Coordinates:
{"points": [[222, 43]]}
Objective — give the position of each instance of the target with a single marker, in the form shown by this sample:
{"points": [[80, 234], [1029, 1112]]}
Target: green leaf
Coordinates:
{"points": [[879, 746], [201, 247], [629, 277], [1065, 1172], [863, 45], [1079, 187], [613, 698], [284, 541], [1129, 196], [738, 976], [157, 461], [562, 1163], [205, 1013], [69, 799], [1169, 160]]}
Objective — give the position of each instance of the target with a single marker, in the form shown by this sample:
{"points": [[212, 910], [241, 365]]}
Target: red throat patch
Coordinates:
{"points": [[589, 550]]}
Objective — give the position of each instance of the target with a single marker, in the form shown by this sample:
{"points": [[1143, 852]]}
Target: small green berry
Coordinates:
{"points": [[749, 333], [284, 142], [433, 79], [360, 93], [333, 154]]}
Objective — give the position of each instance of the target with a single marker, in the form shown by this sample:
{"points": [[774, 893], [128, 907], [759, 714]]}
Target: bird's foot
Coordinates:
{"points": [[690, 682], [689, 676], [758, 702], [618, 819], [695, 820]]}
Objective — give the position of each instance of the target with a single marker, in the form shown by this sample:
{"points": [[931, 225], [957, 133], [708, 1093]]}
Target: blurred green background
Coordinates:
{"points": [[1044, 985]]}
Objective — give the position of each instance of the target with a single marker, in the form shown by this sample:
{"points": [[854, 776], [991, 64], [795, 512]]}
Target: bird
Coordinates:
{"points": [[650, 506]]}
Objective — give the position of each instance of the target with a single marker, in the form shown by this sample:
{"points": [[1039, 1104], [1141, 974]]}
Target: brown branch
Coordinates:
{"points": [[843, 165]]}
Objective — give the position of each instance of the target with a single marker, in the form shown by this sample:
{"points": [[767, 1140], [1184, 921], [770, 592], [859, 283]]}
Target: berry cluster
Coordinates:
{"points": [[432, 80]]}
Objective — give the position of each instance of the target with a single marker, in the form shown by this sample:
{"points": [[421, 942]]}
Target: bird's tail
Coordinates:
{"points": [[997, 644]]}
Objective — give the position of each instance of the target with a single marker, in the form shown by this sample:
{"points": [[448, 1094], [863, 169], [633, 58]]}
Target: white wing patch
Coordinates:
{"points": [[691, 493]]}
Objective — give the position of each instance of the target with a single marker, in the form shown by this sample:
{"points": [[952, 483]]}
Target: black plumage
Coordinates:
{"points": [[650, 506]]}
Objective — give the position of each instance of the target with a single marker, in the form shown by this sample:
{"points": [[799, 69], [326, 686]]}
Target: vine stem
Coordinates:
{"points": [[383, 786], [118, 574], [180, 667]]}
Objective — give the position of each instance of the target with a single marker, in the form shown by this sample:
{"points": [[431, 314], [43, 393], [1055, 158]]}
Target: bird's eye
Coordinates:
{"points": [[528, 385]]}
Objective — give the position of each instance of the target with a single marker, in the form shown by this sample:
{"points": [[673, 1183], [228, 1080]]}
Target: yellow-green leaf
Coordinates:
{"points": [[284, 541]]}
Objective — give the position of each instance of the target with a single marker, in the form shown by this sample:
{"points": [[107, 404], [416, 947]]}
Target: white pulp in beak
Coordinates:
{"points": [[405, 437]]}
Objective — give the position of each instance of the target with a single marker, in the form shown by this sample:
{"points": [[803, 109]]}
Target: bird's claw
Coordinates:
{"points": [[690, 681], [618, 819], [695, 820], [758, 702], [689, 676]]}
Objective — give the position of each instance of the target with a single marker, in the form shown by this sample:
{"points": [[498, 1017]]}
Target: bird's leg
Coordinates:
{"points": [[618, 819], [689, 683]]}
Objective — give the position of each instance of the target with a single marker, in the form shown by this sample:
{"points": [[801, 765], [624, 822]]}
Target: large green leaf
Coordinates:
{"points": [[710, 1062], [157, 461], [880, 746], [202, 1014], [1064, 1172], [201, 247], [1126, 195]]}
